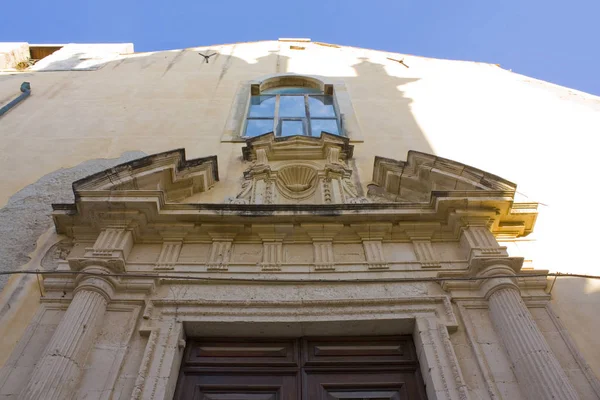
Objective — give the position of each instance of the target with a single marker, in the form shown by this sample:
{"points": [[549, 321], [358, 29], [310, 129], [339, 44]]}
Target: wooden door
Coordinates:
{"points": [[344, 368]]}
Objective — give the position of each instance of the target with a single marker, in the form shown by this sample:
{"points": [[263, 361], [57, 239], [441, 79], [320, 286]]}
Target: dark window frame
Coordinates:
{"points": [[306, 120]]}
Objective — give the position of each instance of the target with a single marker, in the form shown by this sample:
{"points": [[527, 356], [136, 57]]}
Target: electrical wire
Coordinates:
{"points": [[284, 280]]}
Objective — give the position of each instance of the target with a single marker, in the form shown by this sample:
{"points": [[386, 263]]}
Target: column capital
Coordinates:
{"points": [[484, 267], [492, 284], [103, 285]]}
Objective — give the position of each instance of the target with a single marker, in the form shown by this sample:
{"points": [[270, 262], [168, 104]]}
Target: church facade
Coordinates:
{"points": [[288, 220]]}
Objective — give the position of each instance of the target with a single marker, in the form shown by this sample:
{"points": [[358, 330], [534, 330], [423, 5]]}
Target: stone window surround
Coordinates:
{"points": [[427, 319], [234, 126]]}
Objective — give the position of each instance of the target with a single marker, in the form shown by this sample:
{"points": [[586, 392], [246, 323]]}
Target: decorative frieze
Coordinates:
{"points": [[219, 256], [374, 254], [425, 254], [272, 256], [113, 243], [478, 241], [169, 253], [110, 249], [324, 259], [272, 236], [222, 236], [322, 236], [421, 241], [372, 235]]}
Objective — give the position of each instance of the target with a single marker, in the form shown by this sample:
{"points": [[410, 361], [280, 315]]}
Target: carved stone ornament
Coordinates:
{"points": [[298, 170], [414, 180], [168, 172], [425, 177]]}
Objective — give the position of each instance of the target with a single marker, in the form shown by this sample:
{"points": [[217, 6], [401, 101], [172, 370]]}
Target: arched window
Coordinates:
{"points": [[291, 106]]}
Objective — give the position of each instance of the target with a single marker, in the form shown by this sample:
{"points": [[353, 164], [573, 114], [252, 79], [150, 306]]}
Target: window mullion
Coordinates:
{"points": [[276, 118], [308, 131]]}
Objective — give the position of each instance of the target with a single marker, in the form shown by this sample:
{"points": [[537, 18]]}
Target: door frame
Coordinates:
{"points": [[428, 319]]}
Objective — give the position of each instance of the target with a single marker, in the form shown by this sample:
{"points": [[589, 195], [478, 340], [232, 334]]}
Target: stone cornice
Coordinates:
{"points": [[441, 213]]}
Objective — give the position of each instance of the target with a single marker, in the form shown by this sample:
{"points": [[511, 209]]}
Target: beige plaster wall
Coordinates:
{"points": [[534, 133]]}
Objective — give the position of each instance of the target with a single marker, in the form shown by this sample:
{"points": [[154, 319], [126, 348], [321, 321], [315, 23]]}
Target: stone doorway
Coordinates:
{"points": [[310, 368]]}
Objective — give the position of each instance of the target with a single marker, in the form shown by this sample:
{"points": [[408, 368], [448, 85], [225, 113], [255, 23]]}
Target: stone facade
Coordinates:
{"points": [[286, 237]]}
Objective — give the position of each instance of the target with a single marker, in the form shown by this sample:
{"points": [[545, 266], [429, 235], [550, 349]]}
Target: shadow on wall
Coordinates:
{"points": [[578, 300], [27, 214], [380, 105]]}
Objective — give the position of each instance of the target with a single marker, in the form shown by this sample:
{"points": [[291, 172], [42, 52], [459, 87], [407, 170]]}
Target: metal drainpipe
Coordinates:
{"points": [[26, 91]]}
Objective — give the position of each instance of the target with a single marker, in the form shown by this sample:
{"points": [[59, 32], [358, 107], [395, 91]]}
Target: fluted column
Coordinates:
{"points": [[58, 372], [535, 365]]}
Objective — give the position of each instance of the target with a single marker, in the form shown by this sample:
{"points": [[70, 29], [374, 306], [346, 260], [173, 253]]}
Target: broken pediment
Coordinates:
{"points": [[298, 170], [167, 172], [414, 180]]}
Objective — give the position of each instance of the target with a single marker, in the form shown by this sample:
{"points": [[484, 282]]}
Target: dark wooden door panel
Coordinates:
{"points": [[242, 352], [207, 386], [370, 385], [358, 350], [340, 368]]}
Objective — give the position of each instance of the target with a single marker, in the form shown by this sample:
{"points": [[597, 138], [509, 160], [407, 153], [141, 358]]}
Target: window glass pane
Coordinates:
{"points": [[256, 127], [291, 90], [321, 106], [290, 128], [292, 106], [262, 106], [327, 125]]}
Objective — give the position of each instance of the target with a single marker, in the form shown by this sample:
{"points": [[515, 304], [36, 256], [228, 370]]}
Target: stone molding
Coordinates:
{"points": [[424, 176], [169, 253], [421, 241], [168, 172], [371, 236], [267, 148], [432, 316], [298, 169], [322, 236]]}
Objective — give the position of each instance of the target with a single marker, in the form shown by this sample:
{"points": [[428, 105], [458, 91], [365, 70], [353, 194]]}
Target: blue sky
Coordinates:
{"points": [[557, 41]]}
